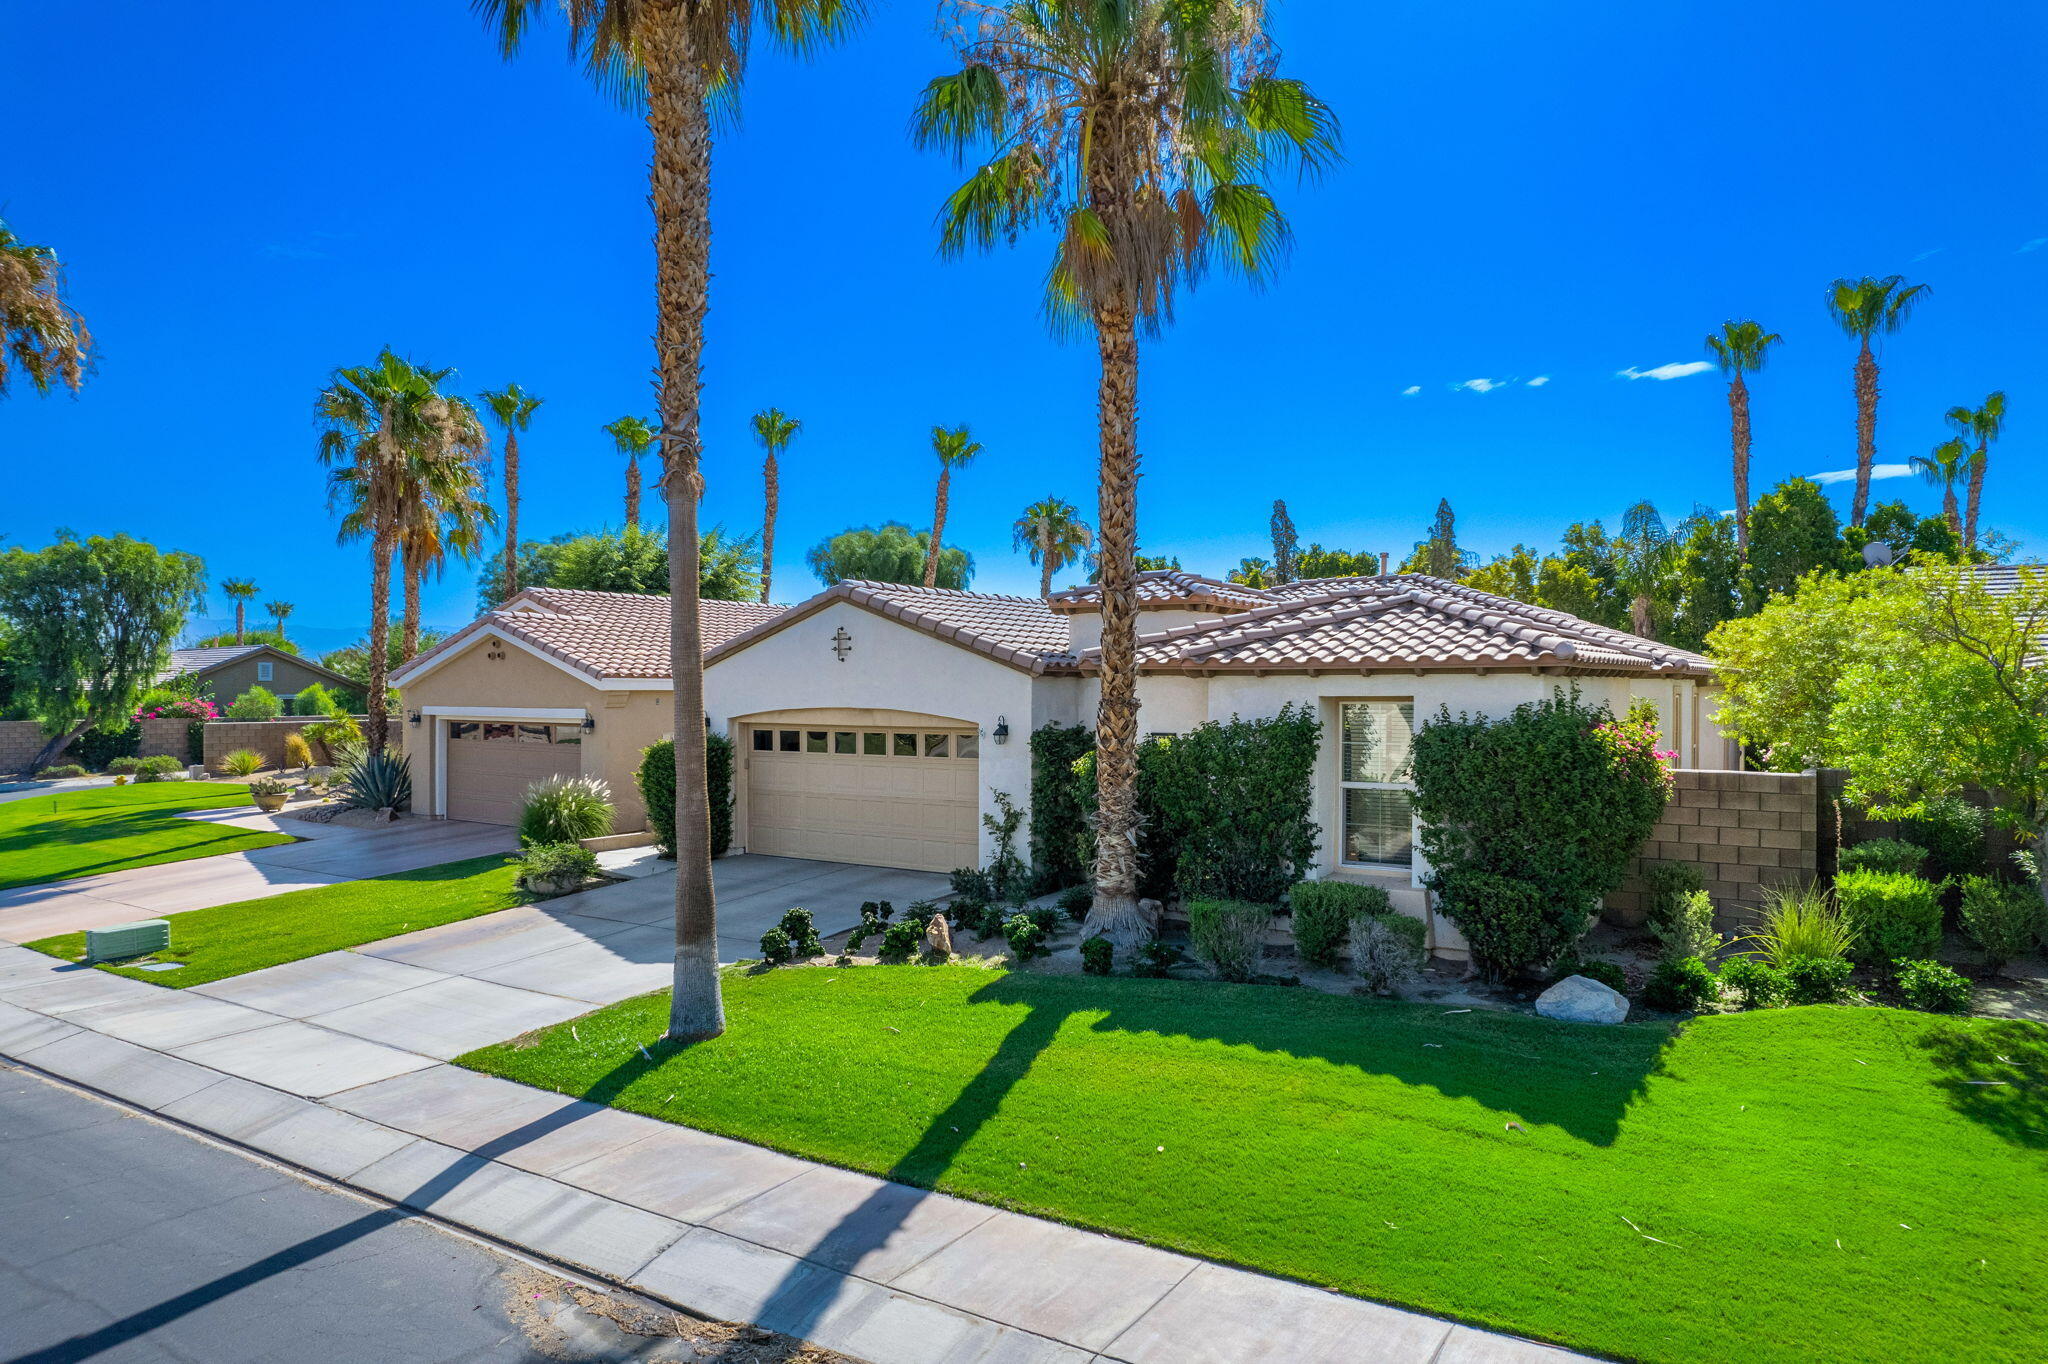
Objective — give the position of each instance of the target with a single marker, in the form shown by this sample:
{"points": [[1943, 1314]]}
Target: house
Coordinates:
{"points": [[874, 722], [231, 669]]}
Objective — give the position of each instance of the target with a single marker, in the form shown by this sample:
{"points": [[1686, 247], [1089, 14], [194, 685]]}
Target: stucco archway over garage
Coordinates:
{"points": [[878, 788]]}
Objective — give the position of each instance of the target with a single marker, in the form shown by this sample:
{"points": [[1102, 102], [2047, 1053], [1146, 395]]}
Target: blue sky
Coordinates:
{"points": [[1560, 193]]}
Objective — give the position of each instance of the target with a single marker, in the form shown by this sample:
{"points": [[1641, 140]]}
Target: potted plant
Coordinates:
{"points": [[269, 793]]}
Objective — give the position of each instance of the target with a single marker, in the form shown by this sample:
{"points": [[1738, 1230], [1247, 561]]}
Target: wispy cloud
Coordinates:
{"points": [[1876, 471], [1930, 251], [1674, 370], [1539, 381], [1480, 385], [2033, 245], [1411, 390]]}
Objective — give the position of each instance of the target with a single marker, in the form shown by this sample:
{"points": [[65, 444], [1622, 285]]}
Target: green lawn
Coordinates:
{"points": [[112, 828], [229, 940], [1821, 1183]]}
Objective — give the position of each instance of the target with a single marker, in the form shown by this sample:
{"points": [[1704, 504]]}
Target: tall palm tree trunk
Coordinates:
{"points": [[1866, 430], [511, 513], [1044, 558], [1977, 463], [931, 559], [414, 575], [771, 478], [381, 543], [1115, 911], [1738, 430], [633, 492], [681, 194], [1949, 509], [241, 615]]}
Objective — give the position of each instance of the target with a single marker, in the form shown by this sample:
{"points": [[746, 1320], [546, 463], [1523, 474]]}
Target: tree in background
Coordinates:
{"points": [[1984, 424], [1252, 572], [91, 623], [633, 438], [1053, 535], [1942, 468], [1708, 582], [280, 611], [1317, 562], [40, 334], [1285, 544], [1864, 308], [1438, 555], [223, 638], [956, 448], [1143, 132], [774, 429], [240, 591], [1510, 575], [889, 553], [513, 408], [1793, 531], [1645, 557], [629, 560], [1740, 348], [444, 504], [353, 662]]}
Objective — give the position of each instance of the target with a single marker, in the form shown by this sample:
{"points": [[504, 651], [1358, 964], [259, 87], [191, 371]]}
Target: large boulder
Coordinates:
{"points": [[1579, 999]]}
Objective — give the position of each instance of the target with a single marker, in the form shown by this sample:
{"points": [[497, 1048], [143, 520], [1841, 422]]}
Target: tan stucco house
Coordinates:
{"points": [[231, 669], [874, 722]]}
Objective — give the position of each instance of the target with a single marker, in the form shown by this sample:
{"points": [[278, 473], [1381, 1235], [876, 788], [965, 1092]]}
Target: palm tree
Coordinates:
{"points": [[239, 590], [1741, 349], [774, 429], [279, 611], [1054, 535], [956, 449], [1985, 423], [39, 332], [1142, 131], [632, 438], [1948, 463], [446, 511], [513, 408], [678, 57], [1865, 308], [388, 429]]}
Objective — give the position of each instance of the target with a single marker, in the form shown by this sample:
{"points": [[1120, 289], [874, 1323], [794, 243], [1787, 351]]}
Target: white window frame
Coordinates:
{"points": [[1343, 858]]}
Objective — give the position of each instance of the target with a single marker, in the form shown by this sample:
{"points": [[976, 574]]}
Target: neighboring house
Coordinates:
{"points": [[231, 669], [2002, 580], [874, 721]]}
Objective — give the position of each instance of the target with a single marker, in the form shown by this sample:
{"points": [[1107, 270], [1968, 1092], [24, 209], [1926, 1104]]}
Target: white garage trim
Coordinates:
{"points": [[439, 716]]}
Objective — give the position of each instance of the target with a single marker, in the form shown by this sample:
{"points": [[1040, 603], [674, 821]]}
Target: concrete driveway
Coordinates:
{"points": [[327, 856]]}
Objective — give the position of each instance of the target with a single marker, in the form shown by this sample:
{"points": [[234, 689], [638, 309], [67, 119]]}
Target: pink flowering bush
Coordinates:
{"points": [[190, 708], [1631, 743]]}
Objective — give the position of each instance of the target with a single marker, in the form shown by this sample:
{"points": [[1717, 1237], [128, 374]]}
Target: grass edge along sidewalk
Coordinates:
{"points": [[89, 831]]}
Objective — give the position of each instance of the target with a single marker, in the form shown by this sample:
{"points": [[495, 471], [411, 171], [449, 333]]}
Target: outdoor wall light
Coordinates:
{"points": [[413, 718], [1002, 729], [589, 723]]}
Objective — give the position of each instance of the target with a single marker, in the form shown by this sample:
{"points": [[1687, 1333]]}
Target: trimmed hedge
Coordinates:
{"points": [[1324, 912], [1059, 809], [1890, 915], [657, 782]]}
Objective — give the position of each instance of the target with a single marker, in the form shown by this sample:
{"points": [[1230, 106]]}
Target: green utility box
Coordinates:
{"points": [[127, 940]]}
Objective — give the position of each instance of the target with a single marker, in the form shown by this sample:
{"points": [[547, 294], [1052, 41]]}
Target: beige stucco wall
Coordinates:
{"points": [[516, 681]]}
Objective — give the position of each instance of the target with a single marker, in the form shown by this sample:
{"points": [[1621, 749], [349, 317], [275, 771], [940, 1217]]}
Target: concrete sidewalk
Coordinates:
{"points": [[717, 1227]]}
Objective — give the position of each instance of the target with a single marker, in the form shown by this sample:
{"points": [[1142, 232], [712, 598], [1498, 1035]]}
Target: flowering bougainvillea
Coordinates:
{"points": [[1632, 744], [193, 708]]}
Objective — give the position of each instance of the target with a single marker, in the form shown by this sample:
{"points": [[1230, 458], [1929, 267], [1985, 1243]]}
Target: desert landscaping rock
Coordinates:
{"points": [[1577, 999]]}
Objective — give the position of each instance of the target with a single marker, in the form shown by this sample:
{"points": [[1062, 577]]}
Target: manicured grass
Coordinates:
{"points": [[112, 828], [1822, 1183], [229, 940]]}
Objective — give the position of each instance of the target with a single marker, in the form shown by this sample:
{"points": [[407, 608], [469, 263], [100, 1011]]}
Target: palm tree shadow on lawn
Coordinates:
{"points": [[1994, 1074]]}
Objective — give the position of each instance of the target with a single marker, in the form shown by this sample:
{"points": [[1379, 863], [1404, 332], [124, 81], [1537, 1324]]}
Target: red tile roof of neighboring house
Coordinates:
{"points": [[605, 635], [1020, 631]]}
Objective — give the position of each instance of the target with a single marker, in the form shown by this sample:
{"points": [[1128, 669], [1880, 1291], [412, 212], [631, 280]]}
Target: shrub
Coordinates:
{"points": [[2029, 864], [1952, 831], [1529, 819], [802, 933], [1234, 800], [335, 738], [377, 781], [162, 767], [901, 940], [1325, 911], [657, 782], [270, 786], [971, 883], [1025, 936], [555, 862], [316, 700], [1008, 879], [1155, 960], [2001, 918], [1689, 929], [1077, 901], [1059, 814], [775, 947], [297, 752], [97, 748], [1756, 985], [870, 927], [1889, 915], [257, 703], [1229, 936], [881, 911], [1932, 987], [1098, 956], [243, 762], [1894, 856], [1047, 917], [1608, 973], [1681, 985], [1386, 951], [1816, 980], [1670, 883], [60, 772], [125, 766], [1800, 923], [562, 809]]}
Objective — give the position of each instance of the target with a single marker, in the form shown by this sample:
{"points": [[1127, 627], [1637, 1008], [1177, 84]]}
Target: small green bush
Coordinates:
{"points": [[1816, 980], [1324, 913], [1756, 985], [257, 703], [316, 700], [1952, 831], [125, 766], [1670, 883], [1889, 915], [776, 948], [1025, 936], [1893, 855], [1800, 923], [881, 911], [1931, 987], [972, 884], [1098, 956], [562, 809], [1229, 935], [1076, 901], [656, 779], [556, 862], [1387, 951], [243, 762], [901, 940], [162, 767], [1511, 923], [1047, 917], [1688, 928], [2002, 918], [1681, 985], [61, 772], [1155, 960], [802, 933]]}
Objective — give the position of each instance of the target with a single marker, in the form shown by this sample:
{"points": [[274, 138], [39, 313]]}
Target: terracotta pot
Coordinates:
{"points": [[270, 805]]}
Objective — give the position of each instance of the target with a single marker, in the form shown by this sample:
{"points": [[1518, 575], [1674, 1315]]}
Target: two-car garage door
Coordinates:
{"points": [[875, 797], [491, 765]]}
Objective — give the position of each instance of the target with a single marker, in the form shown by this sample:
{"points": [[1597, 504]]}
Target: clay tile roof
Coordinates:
{"points": [[1404, 621], [1020, 631], [1164, 588], [199, 660], [606, 635], [2002, 580]]}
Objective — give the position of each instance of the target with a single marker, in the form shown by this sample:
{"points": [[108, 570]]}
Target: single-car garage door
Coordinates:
{"points": [[491, 765], [879, 798]]}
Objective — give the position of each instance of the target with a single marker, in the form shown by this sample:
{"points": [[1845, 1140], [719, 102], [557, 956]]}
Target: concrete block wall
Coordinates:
{"points": [[21, 740], [1746, 831], [267, 736]]}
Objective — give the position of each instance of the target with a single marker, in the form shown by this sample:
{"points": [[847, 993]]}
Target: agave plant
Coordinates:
{"points": [[377, 781], [565, 810]]}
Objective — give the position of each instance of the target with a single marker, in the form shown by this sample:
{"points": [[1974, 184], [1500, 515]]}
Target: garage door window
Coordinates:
{"points": [[786, 741], [473, 731], [842, 741], [764, 740], [935, 745], [814, 741], [966, 746], [904, 745], [848, 743]]}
